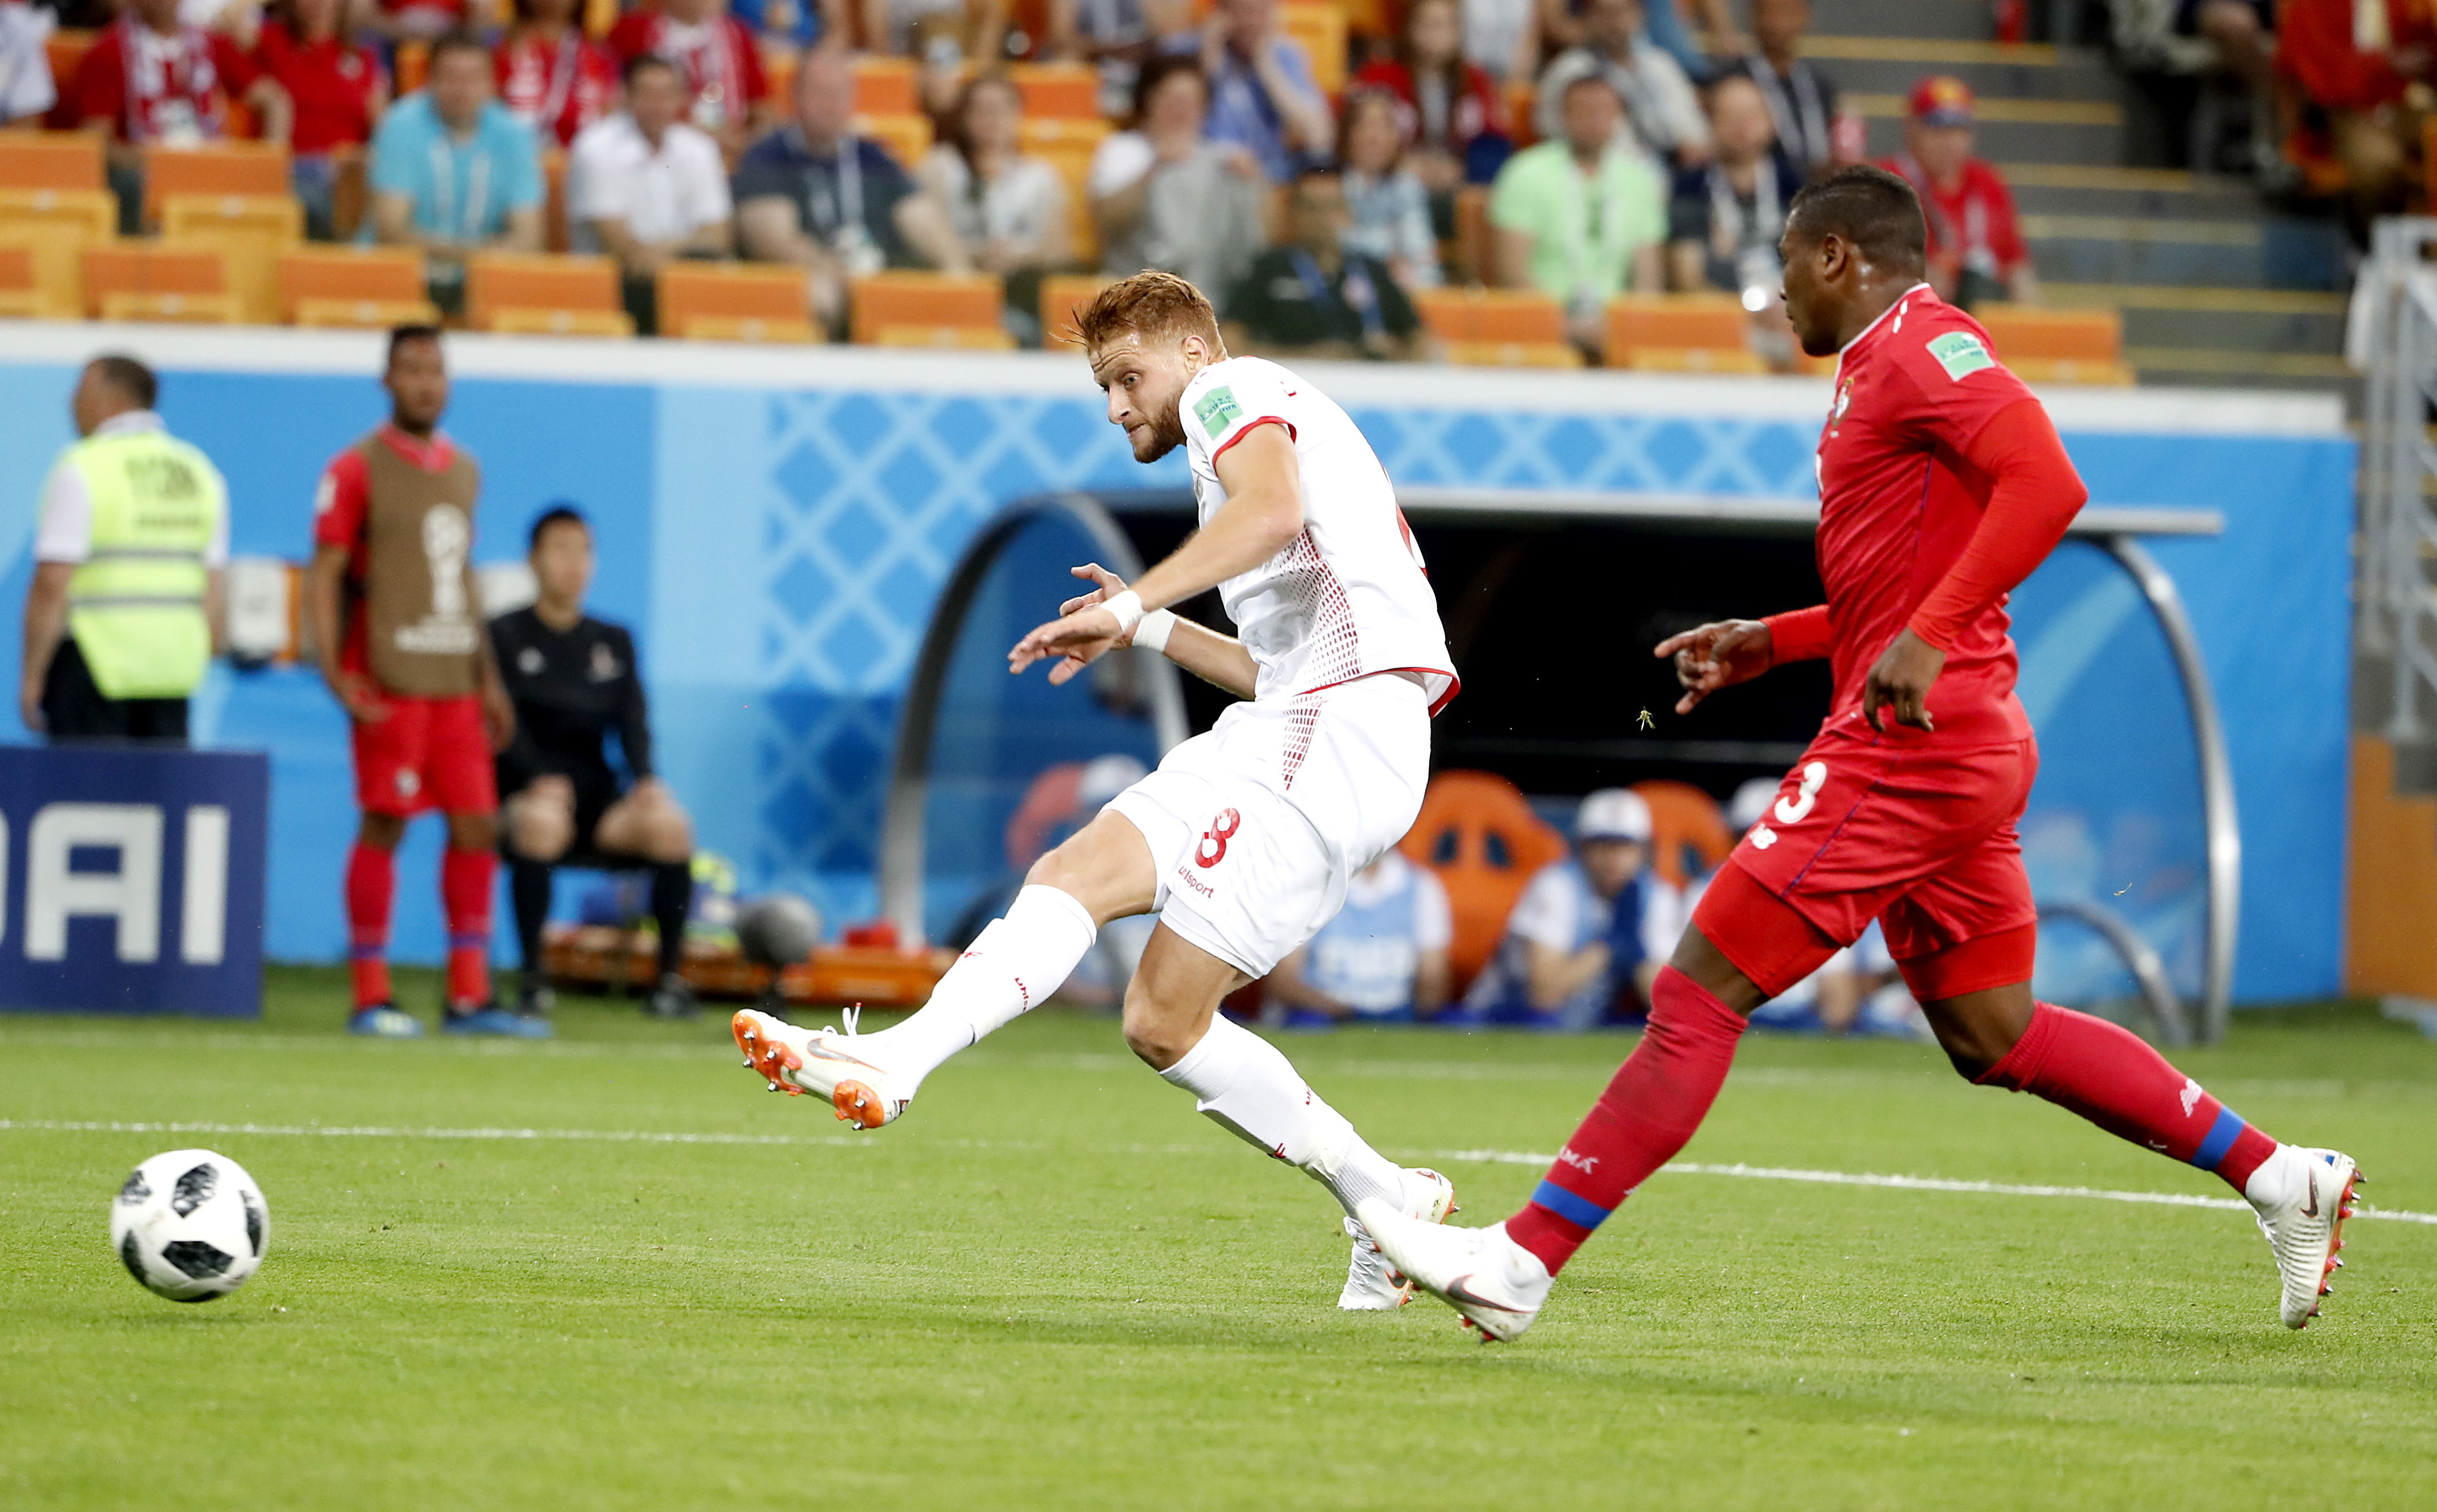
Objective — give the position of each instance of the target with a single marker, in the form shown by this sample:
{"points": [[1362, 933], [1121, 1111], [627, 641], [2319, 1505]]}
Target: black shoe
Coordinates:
{"points": [[534, 999], [672, 999]]}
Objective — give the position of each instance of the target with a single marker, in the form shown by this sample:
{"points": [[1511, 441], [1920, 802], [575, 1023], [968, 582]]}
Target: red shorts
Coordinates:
{"points": [[429, 753], [1917, 835]]}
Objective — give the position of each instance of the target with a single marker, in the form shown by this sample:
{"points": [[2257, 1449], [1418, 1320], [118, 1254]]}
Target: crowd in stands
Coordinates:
{"points": [[1581, 149]]}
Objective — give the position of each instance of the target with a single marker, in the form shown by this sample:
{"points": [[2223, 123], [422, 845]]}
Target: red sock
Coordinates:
{"points": [[1650, 1107], [466, 897], [372, 877], [2110, 1077]]}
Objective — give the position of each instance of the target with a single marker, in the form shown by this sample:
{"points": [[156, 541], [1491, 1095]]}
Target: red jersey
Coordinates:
{"points": [[338, 514], [1898, 503], [2317, 47], [557, 88], [1975, 227], [334, 82], [720, 60], [1452, 118], [152, 88]]}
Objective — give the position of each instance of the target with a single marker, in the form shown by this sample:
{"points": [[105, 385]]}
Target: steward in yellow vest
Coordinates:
{"points": [[129, 557]]}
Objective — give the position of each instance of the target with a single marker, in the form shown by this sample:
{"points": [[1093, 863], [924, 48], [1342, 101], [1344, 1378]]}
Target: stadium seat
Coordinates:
{"points": [[1681, 333], [1068, 147], [55, 226], [66, 50], [1320, 26], [525, 293], [1522, 95], [1498, 327], [1063, 297], [1058, 92], [51, 160], [554, 235], [907, 137], [1481, 838], [735, 302], [253, 229], [215, 168], [928, 309], [1513, 354], [21, 296], [1469, 259], [414, 60], [1377, 19], [158, 281], [2058, 345], [1688, 835], [884, 86], [351, 191], [353, 286], [599, 17], [945, 338]]}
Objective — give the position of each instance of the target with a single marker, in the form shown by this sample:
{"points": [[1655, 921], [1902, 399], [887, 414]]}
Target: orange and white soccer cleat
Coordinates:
{"points": [[1496, 1284], [2303, 1220], [1372, 1285], [823, 1061]]}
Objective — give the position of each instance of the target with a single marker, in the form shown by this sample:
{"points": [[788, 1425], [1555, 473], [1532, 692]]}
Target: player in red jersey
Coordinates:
{"points": [[1942, 486]]}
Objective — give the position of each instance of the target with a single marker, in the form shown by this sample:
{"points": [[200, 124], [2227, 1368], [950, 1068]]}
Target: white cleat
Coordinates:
{"points": [[1494, 1283], [821, 1061], [2304, 1225], [1371, 1284]]}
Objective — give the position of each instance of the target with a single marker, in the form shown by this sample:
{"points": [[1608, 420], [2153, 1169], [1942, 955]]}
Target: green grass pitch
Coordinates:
{"points": [[1054, 1285]]}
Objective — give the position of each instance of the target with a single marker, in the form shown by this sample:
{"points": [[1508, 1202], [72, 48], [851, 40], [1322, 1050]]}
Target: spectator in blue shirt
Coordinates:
{"points": [[1589, 932], [1262, 93], [453, 172]]}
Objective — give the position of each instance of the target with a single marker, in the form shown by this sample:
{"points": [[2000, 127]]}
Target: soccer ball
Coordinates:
{"points": [[190, 1225]]}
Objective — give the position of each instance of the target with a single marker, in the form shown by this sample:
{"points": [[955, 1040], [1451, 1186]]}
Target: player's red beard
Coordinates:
{"points": [[1165, 434]]}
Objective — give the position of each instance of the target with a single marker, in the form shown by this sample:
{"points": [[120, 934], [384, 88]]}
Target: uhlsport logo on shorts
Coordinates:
{"points": [[1217, 408]]}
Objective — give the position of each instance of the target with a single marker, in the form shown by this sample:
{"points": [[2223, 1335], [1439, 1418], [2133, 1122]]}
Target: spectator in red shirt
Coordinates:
{"points": [[1452, 112], [415, 20], [553, 77], [337, 89], [730, 95], [150, 78], [1977, 249], [2362, 90]]}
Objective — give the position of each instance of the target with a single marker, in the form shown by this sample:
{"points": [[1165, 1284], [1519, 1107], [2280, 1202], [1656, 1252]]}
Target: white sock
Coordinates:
{"points": [[1010, 967], [2274, 1179], [1245, 1085]]}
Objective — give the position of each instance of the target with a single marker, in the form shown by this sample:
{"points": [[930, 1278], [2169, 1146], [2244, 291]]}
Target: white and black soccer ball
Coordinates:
{"points": [[190, 1225]]}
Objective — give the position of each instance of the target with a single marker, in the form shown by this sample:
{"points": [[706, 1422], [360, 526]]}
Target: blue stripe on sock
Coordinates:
{"points": [[1580, 1211], [2220, 1138], [469, 942]]}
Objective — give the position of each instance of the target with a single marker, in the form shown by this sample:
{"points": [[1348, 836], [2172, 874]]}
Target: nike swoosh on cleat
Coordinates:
{"points": [[2313, 1210], [827, 1054], [1458, 1292]]}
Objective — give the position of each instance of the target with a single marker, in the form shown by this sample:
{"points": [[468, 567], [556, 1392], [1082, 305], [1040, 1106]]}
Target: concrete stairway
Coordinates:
{"points": [[2214, 285]]}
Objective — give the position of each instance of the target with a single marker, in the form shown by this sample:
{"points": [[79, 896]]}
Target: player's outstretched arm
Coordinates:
{"points": [[1718, 655], [1261, 518], [1217, 660]]}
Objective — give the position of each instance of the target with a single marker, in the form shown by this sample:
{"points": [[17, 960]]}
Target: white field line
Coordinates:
{"points": [[1500, 1157]]}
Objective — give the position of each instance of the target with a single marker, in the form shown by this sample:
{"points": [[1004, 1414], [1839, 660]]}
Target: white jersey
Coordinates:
{"points": [[1349, 598]]}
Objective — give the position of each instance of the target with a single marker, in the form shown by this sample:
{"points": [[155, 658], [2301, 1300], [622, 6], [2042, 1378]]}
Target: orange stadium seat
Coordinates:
{"points": [[928, 309], [253, 229], [1379, 20], [353, 286], [1320, 26], [884, 86], [215, 168], [2058, 345], [351, 191], [21, 296], [735, 302], [544, 294], [51, 160], [1681, 333], [158, 281], [1058, 92], [1470, 255], [1498, 327], [413, 62], [1068, 147], [554, 235], [906, 137], [1522, 95], [66, 50], [1476, 833], [55, 226], [1688, 835], [1062, 298]]}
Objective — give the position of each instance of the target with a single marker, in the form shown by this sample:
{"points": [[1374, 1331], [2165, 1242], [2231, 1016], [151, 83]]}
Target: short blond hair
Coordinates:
{"points": [[1150, 305]]}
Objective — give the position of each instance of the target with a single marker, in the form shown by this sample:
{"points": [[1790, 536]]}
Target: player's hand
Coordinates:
{"points": [[1900, 681], [1714, 655], [499, 716], [356, 696], [1078, 636]]}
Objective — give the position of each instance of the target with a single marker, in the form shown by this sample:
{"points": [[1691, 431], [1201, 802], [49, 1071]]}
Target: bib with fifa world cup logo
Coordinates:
{"points": [[422, 628]]}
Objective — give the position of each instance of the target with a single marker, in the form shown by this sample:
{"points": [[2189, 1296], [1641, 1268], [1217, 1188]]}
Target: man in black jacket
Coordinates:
{"points": [[574, 681]]}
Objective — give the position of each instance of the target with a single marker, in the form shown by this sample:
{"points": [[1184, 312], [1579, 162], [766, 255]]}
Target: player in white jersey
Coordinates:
{"points": [[1244, 840]]}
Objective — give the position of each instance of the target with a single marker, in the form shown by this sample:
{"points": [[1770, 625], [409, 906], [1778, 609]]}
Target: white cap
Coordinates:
{"points": [[1751, 800], [1613, 813]]}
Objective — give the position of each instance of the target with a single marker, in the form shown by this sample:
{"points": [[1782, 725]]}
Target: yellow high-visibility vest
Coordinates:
{"points": [[136, 606]]}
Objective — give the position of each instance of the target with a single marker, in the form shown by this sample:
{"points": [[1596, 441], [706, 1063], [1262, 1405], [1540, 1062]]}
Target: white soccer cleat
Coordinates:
{"points": [[1371, 1284], [821, 1061], [2304, 1225], [1496, 1284]]}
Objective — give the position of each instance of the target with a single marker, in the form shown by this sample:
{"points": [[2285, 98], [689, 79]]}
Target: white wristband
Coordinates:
{"points": [[1153, 633], [1128, 608]]}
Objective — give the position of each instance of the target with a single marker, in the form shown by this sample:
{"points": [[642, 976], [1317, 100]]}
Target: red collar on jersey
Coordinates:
{"points": [[1918, 295], [431, 456]]}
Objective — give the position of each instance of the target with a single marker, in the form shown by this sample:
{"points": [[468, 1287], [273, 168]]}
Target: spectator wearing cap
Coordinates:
{"points": [[1581, 218], [1587, 933], [453, 172], [1450, 110], [1310, 297], [1661, 112], [1725, 216], [1383, 958], [1262, 93], [1977, 249], [2361, 63], [1802, 100], [647, 189]]}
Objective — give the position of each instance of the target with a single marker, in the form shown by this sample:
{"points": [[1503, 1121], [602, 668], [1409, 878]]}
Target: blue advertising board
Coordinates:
{"points": [[132, 880]]}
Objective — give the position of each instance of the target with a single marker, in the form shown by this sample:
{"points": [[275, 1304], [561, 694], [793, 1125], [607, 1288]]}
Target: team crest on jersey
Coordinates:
{"points": [[1844, 401], [1961, 354], [1217, 408]]}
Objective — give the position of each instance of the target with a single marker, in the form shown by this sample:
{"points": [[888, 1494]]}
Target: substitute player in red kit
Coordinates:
{"points": [[398, 620], [1942, 486]]}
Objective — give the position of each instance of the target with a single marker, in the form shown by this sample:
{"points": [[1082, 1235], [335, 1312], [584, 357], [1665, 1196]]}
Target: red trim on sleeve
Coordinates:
{"points": [[339, 520], [1799, 635], [1248, 428], [2034, 493]]}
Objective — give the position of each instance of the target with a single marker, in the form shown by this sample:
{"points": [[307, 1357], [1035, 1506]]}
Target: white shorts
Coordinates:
{"points": [[1257, 827]]}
